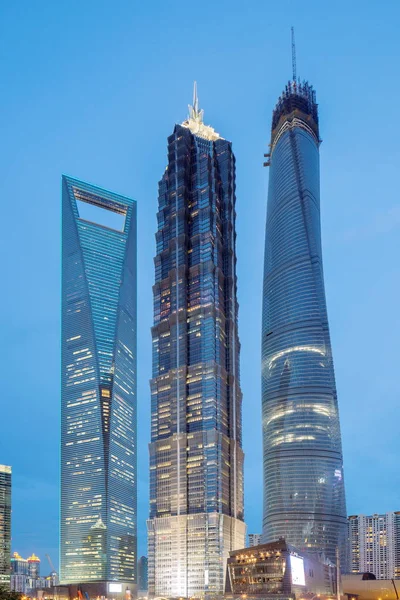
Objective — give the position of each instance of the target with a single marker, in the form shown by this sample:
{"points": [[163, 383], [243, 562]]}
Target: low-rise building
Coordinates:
{"points": [[365, 586], [278, 570]]}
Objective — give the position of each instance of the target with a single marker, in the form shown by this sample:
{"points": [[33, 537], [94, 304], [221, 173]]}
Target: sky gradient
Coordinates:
{"points": [[92, 89]]}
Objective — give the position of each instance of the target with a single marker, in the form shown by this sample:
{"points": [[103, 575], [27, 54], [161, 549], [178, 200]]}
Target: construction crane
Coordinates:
{"points": [[294, 56], [51, 564]]}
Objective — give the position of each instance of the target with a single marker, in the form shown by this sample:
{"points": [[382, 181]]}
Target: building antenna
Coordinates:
{"points": [[195, 98], [293, 56]]}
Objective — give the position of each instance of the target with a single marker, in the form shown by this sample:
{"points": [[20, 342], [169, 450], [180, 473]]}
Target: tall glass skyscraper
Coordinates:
{"points": [[196, 457], [304, 499], [98, 412], [5, 525]]}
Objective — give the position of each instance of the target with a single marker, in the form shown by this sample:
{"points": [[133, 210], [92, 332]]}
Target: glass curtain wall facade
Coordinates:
{"points": [[98, 412], [196, 457], [5, 525], [304, 497]]}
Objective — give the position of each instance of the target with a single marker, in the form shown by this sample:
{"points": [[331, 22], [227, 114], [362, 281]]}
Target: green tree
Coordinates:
{"points": [[5, 594]]}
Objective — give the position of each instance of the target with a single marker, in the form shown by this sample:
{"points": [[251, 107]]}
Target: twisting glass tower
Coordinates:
{"points": [[196, 458], [98, 412], [304, 499]]}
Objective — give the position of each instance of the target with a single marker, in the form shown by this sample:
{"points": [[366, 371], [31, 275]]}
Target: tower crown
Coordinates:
{"points": [[194, 122], [298, 102], [298, 96], [16, 556], [296, 107], [33, 558]]}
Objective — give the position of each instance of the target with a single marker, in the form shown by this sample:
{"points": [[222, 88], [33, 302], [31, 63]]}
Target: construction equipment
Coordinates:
{"points": [[294, 69], [51, 564]]}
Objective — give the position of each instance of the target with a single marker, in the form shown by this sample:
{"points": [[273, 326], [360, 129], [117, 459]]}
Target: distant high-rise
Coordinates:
{"points": [[196, 457], [143, 579], [19, 565], [5, 525], [304, 497], [98, 413], [33, 566], [25, 575], [375, 544], [254, 539]]}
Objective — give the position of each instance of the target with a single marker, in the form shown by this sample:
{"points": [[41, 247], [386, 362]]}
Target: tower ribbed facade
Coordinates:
{"points": [[98, 394], [196, 457], [304, 497]]}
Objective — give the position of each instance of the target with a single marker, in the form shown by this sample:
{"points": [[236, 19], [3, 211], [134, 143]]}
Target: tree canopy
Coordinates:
{"points": [[5, 594]]}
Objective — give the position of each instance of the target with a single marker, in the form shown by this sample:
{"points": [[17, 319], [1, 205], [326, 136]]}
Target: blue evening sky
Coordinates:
{"points": [[92, 89]]}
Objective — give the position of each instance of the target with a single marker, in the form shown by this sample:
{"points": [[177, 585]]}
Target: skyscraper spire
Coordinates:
{"points": [[293, 56], [194, 113], [195, 120], [195, 98]]}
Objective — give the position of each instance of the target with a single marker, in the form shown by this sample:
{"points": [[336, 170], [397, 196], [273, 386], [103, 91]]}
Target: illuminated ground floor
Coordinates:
{"points": [[188, 554], [277, 571], [107, 590]]}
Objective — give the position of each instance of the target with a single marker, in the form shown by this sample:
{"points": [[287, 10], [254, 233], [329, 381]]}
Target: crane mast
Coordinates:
{"points": [[50, 563], [294, 69]]}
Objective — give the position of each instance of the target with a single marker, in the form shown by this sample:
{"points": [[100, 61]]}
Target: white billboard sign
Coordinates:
{"points": [[297, 570]]}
